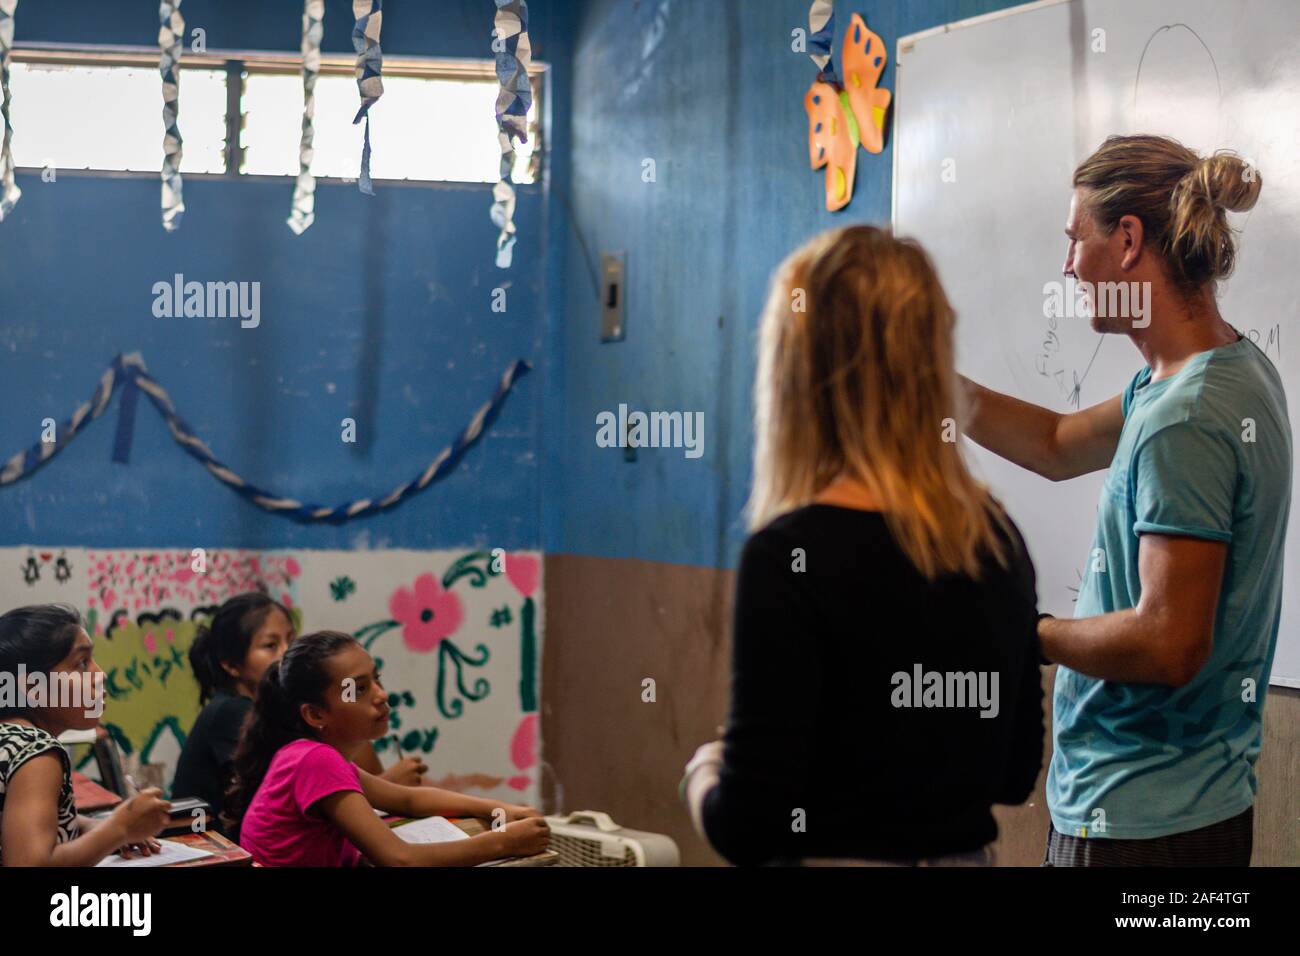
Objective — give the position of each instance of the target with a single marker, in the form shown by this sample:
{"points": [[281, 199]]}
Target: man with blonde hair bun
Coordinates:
{"points": [[1159, 698]]}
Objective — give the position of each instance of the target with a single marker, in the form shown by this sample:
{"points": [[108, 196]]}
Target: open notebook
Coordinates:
{"points": [[434, 830], [172, 852]]}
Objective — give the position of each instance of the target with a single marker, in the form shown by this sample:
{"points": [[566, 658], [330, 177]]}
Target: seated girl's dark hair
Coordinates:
{"points": [[37, 637], [225, 639], [300, 677]]}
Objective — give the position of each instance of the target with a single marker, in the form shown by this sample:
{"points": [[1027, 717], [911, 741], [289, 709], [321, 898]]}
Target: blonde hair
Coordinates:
{"points": [[855, 377], [1179, 197]]}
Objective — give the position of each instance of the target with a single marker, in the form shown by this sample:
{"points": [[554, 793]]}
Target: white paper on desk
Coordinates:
{"points": [[430, 830], [172, 852]]}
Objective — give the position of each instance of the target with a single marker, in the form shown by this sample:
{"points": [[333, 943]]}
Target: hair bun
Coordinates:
{"points": [[1228, 181]]}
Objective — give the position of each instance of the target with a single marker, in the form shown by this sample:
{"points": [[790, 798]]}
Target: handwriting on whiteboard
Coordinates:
{"points": [[1051, 363], [1268, 338]]}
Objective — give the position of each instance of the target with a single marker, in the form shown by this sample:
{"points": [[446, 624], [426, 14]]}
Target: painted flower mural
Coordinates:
{"points": [[460, 631], [429, 613], [426, 613]]}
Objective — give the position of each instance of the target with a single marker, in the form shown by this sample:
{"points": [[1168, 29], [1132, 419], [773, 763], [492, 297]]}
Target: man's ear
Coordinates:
{"points": [[1132, 235]]}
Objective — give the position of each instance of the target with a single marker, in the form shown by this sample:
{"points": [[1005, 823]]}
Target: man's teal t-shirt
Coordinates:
{"points": [[1205, 453]]}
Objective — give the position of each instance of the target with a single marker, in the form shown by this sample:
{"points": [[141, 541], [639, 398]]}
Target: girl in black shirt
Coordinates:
{"points": [[885, 681], [246, 635]]}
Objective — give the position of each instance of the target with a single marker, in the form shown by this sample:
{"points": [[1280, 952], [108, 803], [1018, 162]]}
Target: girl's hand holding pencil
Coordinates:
{"points": [[408, 771], [139, 819]]}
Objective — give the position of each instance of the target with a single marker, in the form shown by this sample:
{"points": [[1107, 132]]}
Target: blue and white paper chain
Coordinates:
{"points": [[129, 372], [821, 38], [9, 191], [303, 212], [171, 41], [370, 73], [514, 54]]}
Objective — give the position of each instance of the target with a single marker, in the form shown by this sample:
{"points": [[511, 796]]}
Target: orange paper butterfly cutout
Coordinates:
{"points": [[838, 120]]}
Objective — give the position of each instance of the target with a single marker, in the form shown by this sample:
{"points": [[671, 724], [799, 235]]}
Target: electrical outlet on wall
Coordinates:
{"points": [[613, 294]]}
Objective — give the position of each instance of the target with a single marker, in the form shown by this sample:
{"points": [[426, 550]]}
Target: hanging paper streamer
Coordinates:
{"points": [[9, 191], [821, 24], [171, 37], [129, 370], [370, 73], [303, 212], [514, 54]]}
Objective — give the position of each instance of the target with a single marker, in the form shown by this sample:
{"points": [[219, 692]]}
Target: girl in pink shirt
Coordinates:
{"points": [[302, 802]]}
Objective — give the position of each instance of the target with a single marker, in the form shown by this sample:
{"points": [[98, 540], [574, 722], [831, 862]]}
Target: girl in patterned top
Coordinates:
{"points": [[49, 683]]}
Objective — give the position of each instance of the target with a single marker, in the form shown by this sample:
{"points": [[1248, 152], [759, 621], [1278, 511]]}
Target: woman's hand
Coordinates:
{"points": [[408, 772], [141, 817], [144, 848], [701, 776], [710, 753]]}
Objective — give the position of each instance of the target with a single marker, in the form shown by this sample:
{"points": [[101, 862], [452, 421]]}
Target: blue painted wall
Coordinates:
{"points": [[710, 91], [380, 312], [713, 94]]}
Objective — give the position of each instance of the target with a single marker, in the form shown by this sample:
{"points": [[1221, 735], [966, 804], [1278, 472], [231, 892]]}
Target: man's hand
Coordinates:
{"points": [[1168, 637]]}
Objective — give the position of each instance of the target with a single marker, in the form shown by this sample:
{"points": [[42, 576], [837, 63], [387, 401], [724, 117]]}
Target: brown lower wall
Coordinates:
{"points": [[611, 623]]}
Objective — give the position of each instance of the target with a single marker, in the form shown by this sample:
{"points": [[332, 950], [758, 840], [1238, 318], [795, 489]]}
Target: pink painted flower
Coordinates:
{"points": [[524, 571], [427, 613]]}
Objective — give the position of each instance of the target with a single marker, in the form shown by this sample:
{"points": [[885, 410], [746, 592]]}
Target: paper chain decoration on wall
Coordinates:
{"points": [[365, 40], [513, 58], [303, 212], [370, 69], [171, 41], [369, 16], [129, 372], [844, 115], [9, 191], [514, 54]]}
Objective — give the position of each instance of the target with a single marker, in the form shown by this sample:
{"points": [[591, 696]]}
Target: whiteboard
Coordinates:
{"points": [[992, 116]]}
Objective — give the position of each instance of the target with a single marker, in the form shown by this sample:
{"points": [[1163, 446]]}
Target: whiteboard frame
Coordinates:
{"points": [[911, 39]]}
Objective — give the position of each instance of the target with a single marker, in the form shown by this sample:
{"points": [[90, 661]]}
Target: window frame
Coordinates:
{"points": [[236, 63]]}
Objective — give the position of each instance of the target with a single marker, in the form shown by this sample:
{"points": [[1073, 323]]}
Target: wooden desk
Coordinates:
{"points": [[224, 853], [90, 796]]}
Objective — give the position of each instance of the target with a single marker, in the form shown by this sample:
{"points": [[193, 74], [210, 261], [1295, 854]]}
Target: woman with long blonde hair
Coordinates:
{"points": [[885, 684]]}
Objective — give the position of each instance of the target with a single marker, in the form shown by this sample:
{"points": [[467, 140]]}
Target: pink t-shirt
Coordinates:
{"points": [[278, 829]]}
